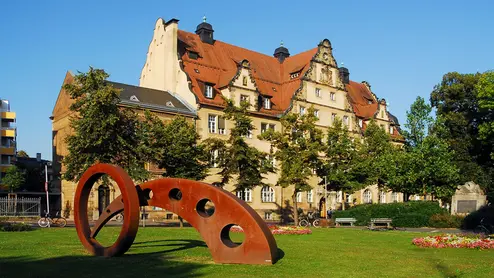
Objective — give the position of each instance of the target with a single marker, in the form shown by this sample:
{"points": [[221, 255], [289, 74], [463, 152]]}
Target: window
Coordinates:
{"points": [[318, 92], [265, 126], [267, 194], [299, 197], [302, 110], [391, 129], [339, 196], [332, 96], [348, 198], [216, 124], [369, 102], [382, 114], [333, 117], [394, 197], [294, 75], [209, 91], [245, 195], [367, 196], [221, 125], [244, 98], [345, 120], [249, 134], [244, 80], [268, 215], [360, 123], [382, 126], [213, 158], [316, 113], [310, 196], [267, 103], [382, 197], [193, 55], [212, 123]]}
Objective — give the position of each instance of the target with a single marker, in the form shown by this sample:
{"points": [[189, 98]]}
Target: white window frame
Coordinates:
{"points": [[212, 123], [310, 196], [346, 120], [367, 196], [360, 123], [209, 91], [391, 129], [333, 117], [348, 198], [299, 197], [316, 113], [301, 110], [267, 103], [339, 197], [267, 126], [394, 197], [214, 158], [245, 195], [268, 194], [245, 98], [382, 197], [318, 92], [268, 215], [332, 96]]}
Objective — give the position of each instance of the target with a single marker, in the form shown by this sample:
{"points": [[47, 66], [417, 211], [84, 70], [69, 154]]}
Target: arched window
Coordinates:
{"points": [[267, 194], [382, 197], [394, 197], [309, 196], [245, 195], [367, 196]]}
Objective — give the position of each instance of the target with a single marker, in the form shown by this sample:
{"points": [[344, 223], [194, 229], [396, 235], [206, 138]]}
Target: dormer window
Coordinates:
{"points": [[360, 123], [193, 55], [267, 103], [169, 104], [369, 102], [391, 130], [208, 91], [294, 75], [134, 98]]}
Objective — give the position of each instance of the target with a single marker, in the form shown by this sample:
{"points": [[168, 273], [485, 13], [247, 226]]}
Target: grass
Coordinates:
{"points": [[179, 252]]}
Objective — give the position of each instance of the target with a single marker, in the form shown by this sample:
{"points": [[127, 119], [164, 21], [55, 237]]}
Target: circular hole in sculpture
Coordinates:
{"points": [[232, 235], [175, 194], [205, 208], [148, 193]]}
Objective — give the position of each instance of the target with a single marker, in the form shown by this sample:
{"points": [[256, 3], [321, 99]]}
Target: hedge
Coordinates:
{"points": [[445, 221], [418, 213]]}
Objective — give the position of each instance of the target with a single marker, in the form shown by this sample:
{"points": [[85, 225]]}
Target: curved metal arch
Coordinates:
{"points": [[185, 198]]}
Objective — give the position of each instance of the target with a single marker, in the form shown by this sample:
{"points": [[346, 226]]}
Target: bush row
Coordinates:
{"points": [[408, 214], [15, 227]]}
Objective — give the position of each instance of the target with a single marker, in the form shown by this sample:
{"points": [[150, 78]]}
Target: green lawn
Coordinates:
{"points": [[161, 252]]}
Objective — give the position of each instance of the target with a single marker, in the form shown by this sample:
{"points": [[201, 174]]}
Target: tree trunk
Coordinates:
{"points": [[343, 200], [181, 220], [295, 209]]}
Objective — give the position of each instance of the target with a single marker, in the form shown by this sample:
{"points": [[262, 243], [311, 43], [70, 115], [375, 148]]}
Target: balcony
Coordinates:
{"points": [[8, 115], [7, 150], [4, 167], [8, 132]]}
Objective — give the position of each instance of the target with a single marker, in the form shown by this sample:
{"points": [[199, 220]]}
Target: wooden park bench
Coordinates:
{"points": [[350, 221], [386, 221]]}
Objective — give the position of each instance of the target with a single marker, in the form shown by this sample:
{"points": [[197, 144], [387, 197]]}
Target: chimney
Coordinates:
{"points": [[281, 53], [344, 75], [38, 157], [205, 31]]}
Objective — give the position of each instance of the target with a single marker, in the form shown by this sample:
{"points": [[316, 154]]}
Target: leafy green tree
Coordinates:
{"points": [[485, 94], [418, 122], [339, 164], [22, 153], [236, 159], [297, 146], [103, 132], [458, 107], [176, 144], [14, 178]]}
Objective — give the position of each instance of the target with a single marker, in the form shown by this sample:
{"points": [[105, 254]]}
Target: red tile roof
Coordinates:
{"points": [[218, 64]]}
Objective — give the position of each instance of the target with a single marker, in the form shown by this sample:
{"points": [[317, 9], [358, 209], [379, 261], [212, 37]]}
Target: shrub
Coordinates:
{"points": [[445, 221], [472, 220], [15, 227], [363, 213], [412, 220]]}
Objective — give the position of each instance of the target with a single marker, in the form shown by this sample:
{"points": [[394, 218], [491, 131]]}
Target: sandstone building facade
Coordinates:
{"points": [[196, 70]]}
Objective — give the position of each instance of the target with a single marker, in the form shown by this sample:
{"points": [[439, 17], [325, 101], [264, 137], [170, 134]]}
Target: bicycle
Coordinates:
{"points": [[48, 221], [311, 218], [483, 228]]}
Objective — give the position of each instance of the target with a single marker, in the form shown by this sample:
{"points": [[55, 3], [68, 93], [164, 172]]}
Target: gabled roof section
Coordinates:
{"points": [[151, 99], [363, 102], [217, 64]]}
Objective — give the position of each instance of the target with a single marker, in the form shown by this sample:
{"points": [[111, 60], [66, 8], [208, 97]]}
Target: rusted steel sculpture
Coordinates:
{"points": [[188, 200]]}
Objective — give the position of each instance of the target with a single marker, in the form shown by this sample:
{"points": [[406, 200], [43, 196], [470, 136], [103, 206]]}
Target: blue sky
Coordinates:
{"points": [[402, 48]]}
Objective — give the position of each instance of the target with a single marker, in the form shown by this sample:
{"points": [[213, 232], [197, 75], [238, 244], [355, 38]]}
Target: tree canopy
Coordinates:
{"points": [[14, 178]]}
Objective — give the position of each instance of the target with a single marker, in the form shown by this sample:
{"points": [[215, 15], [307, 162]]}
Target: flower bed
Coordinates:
{"points": [[279, 230], [455, 241]]}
